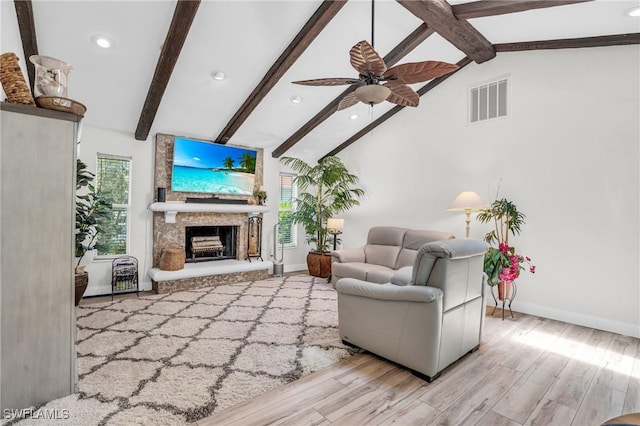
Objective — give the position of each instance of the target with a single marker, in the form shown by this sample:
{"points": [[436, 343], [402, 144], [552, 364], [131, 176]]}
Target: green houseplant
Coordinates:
{"points": [[502, 264], [91, 207], [326, 190], [261, 195]]}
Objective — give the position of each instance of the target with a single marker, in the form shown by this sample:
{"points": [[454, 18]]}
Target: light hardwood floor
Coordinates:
{"points": [[528, 371]]}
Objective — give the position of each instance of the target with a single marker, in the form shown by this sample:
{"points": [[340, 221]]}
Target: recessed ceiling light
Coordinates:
{"points": [[633, 12], [102, 41], [295, 99], [353, 117], [218, 75]]}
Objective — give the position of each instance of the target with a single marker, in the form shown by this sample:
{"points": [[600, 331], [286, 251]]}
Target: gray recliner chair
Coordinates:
{"points": [[428, 316]]}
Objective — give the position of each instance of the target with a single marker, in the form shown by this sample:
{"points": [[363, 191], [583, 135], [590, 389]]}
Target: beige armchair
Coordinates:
{"points": [[428, 316]]}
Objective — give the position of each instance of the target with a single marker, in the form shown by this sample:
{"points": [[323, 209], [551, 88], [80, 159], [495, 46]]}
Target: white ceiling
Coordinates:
{"points": [[243, 39]]}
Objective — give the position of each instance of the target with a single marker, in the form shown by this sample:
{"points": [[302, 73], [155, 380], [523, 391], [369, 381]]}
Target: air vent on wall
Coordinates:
{"points": [[488, 101]]}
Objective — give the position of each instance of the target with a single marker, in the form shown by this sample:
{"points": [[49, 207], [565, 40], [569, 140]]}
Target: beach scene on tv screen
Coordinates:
{"points": [[212, 168]]}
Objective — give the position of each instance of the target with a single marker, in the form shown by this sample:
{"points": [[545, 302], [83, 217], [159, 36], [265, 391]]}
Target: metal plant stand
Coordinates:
{"points": [[510, 297]]}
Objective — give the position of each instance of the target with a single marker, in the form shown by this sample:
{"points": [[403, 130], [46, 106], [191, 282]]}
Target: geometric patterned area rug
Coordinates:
{"points": [[179, 357]]}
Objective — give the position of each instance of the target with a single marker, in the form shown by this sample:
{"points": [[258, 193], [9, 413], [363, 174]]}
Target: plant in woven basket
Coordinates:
{"points": [[91, 207], [327, 189]]}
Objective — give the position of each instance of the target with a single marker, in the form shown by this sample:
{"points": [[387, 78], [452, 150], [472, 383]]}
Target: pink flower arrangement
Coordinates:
{"points": [[511, 272], [504, 264]]}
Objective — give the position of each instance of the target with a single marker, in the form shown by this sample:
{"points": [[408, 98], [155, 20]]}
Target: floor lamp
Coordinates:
{"points": [[467, 202]]}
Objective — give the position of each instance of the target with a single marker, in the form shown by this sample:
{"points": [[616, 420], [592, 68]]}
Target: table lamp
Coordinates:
{"points": [[335, 226]]}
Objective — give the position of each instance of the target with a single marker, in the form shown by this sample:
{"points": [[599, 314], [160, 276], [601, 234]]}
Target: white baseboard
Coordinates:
{"points": [[98, 290], [105, 290], [294, 268], [624, 328]]}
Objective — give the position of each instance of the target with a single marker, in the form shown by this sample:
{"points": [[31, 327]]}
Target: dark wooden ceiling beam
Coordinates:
{"points": [[439, 16], [317, 119], [27, 26], [479, 9], [325, 13], [409, 43], [181, 22], [571, 43], [600, 41], [396, 109]]}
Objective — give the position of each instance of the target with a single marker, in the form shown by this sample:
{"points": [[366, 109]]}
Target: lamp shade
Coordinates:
{"points": [[335, 225], [467, 200]]}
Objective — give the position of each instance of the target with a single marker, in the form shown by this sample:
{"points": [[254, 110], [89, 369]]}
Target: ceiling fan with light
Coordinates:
{"points": [[376, 83]]}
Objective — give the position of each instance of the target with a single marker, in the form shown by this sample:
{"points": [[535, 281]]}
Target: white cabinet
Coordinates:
{"points": [[37, 221]]}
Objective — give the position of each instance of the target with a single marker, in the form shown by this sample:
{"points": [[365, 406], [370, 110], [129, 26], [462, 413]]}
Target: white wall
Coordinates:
{"points": [[96, 141], [567, 155]]}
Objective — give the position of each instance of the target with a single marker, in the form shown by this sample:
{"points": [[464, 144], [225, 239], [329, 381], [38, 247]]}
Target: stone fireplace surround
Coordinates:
{"points": [[173, 234], [172, 217]]}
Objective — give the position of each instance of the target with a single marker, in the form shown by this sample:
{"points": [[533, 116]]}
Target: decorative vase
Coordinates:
{"points": [[82, 280], [504, 290], [51, 76], [319, 264]]}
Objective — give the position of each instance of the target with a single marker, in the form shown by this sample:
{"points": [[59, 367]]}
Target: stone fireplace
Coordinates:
{"points": [[171, 229], [176, 221], [230, 226]]}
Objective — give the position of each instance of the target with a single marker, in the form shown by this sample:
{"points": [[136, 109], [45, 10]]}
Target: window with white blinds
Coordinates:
{"points": [[113, 181], [286, 206], [488, 101]]}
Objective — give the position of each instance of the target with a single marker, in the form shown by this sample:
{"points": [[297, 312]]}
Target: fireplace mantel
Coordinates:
{"points": [[171, 209]]}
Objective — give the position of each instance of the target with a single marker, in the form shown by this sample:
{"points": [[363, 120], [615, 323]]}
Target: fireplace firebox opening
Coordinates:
{"points": [[207, 243]]}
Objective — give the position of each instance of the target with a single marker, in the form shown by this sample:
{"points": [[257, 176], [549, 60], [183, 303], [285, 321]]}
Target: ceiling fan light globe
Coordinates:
{"points": [[372, 93]]}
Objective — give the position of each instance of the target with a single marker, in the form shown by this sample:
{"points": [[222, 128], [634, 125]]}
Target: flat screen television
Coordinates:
{"points": [[212, 168]]}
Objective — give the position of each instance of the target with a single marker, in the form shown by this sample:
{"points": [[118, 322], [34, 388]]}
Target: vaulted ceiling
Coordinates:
{"points": [[157, 75]]}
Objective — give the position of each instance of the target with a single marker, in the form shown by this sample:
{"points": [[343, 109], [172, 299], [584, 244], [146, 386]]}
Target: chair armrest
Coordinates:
{"points": [[402, 276], [355, 254], [413, 293]]}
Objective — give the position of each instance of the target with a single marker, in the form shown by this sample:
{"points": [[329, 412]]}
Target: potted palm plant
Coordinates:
{"points": [[326, 190], [502, 264], [91, 207]]}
